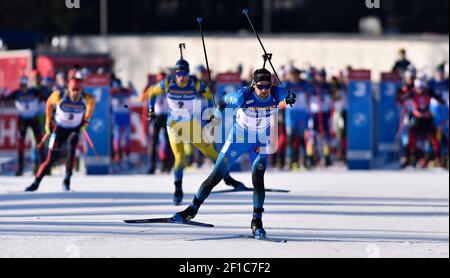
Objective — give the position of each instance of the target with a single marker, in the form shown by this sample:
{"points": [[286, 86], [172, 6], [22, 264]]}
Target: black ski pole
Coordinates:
{"points": [[199, 20], [267, 56]]}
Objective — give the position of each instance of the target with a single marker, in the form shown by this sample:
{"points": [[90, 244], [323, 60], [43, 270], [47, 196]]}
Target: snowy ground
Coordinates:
{"points": [[327, 214]]}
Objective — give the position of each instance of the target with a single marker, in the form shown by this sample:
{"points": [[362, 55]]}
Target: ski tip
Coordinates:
{"points": [[245, 11], [199, 19], [132, 221], [205, 225]]}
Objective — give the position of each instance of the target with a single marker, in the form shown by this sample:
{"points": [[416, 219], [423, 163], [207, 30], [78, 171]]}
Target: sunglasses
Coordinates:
{"points": [[182, 73], [264, 87]]}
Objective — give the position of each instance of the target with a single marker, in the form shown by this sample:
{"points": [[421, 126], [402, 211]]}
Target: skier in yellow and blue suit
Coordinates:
{"points": [[182, 90]]}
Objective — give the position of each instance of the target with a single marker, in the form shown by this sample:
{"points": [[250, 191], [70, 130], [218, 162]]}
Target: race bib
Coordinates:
{"points": [[28, 108], [254, 121], [181, 107], [69, 117]]}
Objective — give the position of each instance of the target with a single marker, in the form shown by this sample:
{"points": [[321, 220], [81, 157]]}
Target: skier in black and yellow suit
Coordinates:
{"points": [[182, 90]]}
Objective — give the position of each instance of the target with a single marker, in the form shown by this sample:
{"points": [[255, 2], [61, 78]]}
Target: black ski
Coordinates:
{"points": [[246, 189], [278, 190], [170, 220], [268, 239]]}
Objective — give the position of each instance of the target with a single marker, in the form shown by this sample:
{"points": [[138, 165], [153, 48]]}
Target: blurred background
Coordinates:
{"points": [[370, 58]]}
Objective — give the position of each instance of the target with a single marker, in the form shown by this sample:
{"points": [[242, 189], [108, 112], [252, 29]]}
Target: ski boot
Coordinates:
{"points": [[178, 196], [238, 186], [186, 215], [189, 213], [257, 228], [33, 187], [257, 224], [66, 184]]}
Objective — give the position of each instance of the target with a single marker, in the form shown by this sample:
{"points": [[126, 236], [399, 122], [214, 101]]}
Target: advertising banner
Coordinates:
{"points": [[99, 130], [360, 121]]}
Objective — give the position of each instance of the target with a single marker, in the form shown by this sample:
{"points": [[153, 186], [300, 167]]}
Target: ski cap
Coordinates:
{"points": [[75, 74], [182, 66], [75, 79], [261, 75]]}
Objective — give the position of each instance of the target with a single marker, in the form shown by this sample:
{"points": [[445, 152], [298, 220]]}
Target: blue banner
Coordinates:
{"points": [[360, 121], [98, 161], [388, 118]]}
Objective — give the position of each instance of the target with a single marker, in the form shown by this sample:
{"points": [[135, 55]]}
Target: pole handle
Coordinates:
{"points": [[182, 46]]}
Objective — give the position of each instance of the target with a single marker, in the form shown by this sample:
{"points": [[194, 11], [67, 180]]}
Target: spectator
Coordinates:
{"points": [[402, 64]]}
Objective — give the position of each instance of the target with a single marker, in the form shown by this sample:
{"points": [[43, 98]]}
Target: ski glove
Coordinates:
{"points": [[290, 99], [216, 117], [49, 128], [84, 125]]}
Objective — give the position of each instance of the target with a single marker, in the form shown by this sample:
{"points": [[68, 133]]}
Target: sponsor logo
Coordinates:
{"points": [[97, 126], [359, 119]]}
